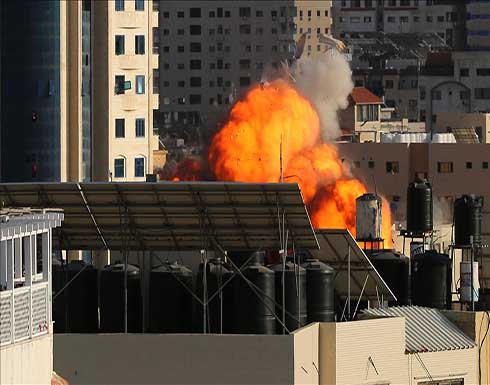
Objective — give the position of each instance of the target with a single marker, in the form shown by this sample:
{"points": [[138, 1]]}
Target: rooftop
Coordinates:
{"points": [[361, 95], [426, 330]]}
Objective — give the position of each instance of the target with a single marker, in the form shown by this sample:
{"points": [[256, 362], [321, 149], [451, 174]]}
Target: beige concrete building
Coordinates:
{"points": [[212, 52], [480, 122], [125, 89]]}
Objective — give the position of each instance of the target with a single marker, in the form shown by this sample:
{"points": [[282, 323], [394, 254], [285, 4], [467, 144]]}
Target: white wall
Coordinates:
{"points": [[174, 359], [306, 364], [29, 362]]}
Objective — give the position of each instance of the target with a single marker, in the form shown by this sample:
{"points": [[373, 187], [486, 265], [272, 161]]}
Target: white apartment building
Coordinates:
{"points": [[443, 17], [462, 86], [212, 51], [124, 92]]}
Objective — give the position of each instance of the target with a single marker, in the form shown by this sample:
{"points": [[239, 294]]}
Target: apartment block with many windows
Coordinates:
{"points": [[212, 52], [124, 89]]}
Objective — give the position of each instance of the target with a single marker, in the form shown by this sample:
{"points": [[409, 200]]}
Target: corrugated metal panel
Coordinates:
{"points": [[426, 330]]}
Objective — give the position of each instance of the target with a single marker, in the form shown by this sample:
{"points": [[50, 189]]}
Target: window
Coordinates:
{"points": [[119, 5], [139, 5], [445, 167], [482, 93], [166, 15], [259, 31], [180, 48], [274, 31], [180, 32], [416, 19], [195, 99], [120, 128], [326, 13], [259, 48], [355, 19], [309, 13], [371, 164], [181, 84], [429, 19], [318, 13], [422, 93], [195, 30], [259, 13], [245, 29], [212, 14], [367, 112], [119, 88], [195, 47], [244, 11], [140, 127], [195, 82], [440, 18], [156, 5], [484, 165], [195, 64], [389, 84], [368, 3], [140, 84], [139, 167], [244, 64], [367, 19], [119, 44], [156, 39], [464, 95], [464, 72], [392, 3], [404, 3], [180, 66], [436, 95], [483, 72], [392, 167], [391, 19], [156, 81], [119, 168], [139, 44], [357, 164], [180, 14], [469, 165], [195, 12], [403, 19], [244, 81], [166, 49]]}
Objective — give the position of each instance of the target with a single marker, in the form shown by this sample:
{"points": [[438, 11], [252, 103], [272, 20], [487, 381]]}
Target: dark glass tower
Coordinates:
{"points": [[30, 90]]}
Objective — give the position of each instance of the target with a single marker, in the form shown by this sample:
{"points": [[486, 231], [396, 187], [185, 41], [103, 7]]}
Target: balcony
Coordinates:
{"points": [[25, 275]]}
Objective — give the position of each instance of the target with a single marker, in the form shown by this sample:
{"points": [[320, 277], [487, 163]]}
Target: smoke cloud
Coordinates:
{"points": [[327, 82]]}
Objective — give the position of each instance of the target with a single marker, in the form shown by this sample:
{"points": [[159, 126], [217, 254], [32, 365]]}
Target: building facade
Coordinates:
{"points": [[212, 52], [58, 98], [443, 17], [477, 24]]}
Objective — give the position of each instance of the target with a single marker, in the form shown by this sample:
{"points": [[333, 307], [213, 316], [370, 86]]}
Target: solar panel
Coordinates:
{"points": [[465, 135], [168, 215], [337, 247]]}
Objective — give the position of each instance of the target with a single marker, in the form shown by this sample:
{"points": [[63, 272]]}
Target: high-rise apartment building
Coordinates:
{"points": [[443, 17], [75, 104], [123, 87], [212, 51], [478, 24]]}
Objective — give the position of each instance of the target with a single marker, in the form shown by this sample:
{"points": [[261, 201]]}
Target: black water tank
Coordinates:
{"points": [[295, 295], [220, 308], [112, 299], [60, 314], [393, 268], [254, 308], [431, 280], [419, 206], [75, 310], [171, 300], [319, 291], [467, 220]]}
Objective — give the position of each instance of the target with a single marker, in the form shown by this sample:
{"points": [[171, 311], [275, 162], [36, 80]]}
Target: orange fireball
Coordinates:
{"points": [[276, 122]]}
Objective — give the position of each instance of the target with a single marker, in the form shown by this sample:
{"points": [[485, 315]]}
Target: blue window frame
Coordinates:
{"points": [[119, 5], [119, 167], [140, 127], [120, 131], [139, 167], [140, 84], [139, 5]]}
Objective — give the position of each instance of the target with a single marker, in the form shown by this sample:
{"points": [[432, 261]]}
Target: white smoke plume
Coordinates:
{"points": [[326, 81]]}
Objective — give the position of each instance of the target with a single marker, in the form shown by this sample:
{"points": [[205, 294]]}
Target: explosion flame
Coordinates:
{"points": [[274, 122]]}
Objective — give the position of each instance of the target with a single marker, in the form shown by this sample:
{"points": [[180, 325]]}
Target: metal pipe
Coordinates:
{"points": [[348, 281]]}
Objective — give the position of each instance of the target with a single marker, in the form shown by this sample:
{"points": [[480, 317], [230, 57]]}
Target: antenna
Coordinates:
{"points": [[280, 159]]}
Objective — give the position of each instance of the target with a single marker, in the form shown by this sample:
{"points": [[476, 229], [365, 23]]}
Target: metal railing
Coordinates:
{"points": [[24, 313]]}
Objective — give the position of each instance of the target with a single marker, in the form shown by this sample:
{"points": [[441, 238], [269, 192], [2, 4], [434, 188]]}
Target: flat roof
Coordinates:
{"points": [[169, 215]]}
